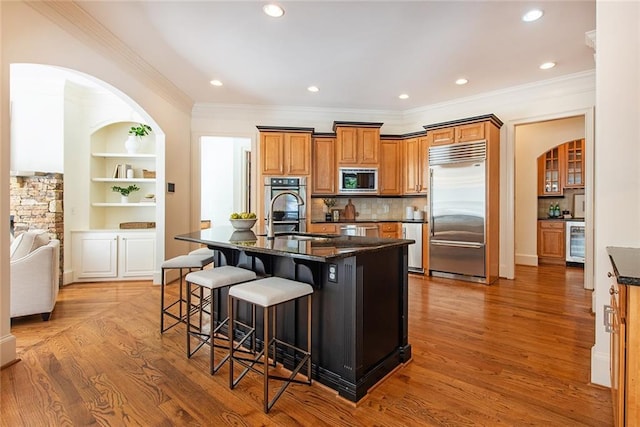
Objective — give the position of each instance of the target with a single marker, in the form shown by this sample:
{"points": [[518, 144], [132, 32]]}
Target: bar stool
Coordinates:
{"points": [[182, 262], [212, 279], [268, 293]]}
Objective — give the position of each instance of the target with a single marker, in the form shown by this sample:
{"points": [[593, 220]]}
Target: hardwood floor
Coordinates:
{"points": [[514, 353]]}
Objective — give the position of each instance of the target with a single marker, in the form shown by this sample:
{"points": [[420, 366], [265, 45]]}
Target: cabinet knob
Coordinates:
{"points": [[609, 274], [612, 291]]}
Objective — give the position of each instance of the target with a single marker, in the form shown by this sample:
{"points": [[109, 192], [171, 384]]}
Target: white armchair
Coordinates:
{"points": [[35, 266]]}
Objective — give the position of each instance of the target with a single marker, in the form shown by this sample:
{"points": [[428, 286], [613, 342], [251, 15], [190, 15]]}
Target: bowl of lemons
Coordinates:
{"points": [[243, 220]]}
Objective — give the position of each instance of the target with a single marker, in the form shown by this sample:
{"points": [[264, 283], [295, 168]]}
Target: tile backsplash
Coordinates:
{"points": [[372, 208], [565, 203]]}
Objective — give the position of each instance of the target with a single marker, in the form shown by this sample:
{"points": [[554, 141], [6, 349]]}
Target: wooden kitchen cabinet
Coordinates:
{"points": [[551, 172], [357, 144], [323, 172], [574, 164], [551, 242], [463, 133], [285, 153], [323, 228], [415, 156], [561, 167], [622, 318], [389, 183], [389, 230]]}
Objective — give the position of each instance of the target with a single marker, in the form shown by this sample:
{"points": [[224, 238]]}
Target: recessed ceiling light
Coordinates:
{"points": [[462, 81], [313, 89], [273, 10], [532, 15], [216, 82], [547, 65], [403, 96]]}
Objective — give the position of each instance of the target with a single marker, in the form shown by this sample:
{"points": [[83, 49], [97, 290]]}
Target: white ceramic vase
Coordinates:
{"points": [[133, 144], [124, 199]]}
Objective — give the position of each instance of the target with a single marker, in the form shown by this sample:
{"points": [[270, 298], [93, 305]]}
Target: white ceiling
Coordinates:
{"points": [[361, 54]]}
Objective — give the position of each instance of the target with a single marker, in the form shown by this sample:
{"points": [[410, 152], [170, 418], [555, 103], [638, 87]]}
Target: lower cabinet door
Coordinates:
{"points": [[104, 256], [94, 255], [137, 253]]}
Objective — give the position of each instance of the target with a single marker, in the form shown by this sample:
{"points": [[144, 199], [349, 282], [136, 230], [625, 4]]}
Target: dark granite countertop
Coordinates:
{"points": [[370, 221], [315, 247], [626, 264], [561, 219]]}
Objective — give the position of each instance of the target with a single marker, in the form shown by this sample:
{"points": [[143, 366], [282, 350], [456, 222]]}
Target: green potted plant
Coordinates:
{"points": [[125, 191], [134, 141]]}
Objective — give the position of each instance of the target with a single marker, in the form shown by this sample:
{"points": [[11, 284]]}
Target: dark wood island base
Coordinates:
{"points": [[359, 324]]}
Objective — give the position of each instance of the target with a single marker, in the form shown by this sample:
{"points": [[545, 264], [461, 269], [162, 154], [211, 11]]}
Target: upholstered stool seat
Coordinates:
{"points": [[212, 279], [202, 251], [268, 293], [181, 262]]}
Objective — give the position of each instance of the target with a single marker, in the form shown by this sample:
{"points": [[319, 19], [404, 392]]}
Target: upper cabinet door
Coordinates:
{"points": [[470, 132], [550, 172], [574, 171], [358, 146], [347, 138], [389, 180], [442, 136], [272, 153], [368, 146], [324, 166], [297, 153]]}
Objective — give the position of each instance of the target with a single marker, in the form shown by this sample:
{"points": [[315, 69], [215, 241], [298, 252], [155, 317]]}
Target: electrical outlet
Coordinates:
{"points": [[333, 273]]}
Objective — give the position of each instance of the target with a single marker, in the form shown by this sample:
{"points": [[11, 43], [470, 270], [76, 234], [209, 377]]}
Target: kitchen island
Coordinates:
{"points": [[360, 300]]}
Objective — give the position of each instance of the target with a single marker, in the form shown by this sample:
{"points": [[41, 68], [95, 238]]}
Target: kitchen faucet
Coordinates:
{"points": [[270, 233]]}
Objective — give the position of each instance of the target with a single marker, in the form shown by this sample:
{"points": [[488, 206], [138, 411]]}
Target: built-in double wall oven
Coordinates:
{"points": [[287, 214]]}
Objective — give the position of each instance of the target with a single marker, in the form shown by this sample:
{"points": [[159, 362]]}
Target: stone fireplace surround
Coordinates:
{"points": [[36, 203]]}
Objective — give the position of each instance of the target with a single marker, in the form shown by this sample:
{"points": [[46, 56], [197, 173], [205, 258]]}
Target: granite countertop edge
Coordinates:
{"points": [[626, 265]]}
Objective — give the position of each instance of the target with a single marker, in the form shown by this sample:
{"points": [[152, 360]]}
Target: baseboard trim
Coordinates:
{"points": [[524, 259], [600, 368], [7, 350]]}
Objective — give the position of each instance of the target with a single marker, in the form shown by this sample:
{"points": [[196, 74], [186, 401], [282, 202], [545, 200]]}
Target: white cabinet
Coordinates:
{"points": [[136, 253], [112, 255]]}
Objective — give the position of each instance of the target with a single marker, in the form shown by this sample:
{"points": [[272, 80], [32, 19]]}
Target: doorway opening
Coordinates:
{"points": [[531, 140], [225, 178]]}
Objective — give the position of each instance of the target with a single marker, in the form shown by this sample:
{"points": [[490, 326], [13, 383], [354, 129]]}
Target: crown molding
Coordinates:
{"points": [[72, 18]]}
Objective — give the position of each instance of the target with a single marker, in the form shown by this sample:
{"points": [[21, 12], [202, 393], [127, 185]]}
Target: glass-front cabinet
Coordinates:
{"points": [[550, 172], [574, 176]]}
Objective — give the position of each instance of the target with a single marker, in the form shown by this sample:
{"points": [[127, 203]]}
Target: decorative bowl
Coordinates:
{"points": [[243, 224], [243, 237]]}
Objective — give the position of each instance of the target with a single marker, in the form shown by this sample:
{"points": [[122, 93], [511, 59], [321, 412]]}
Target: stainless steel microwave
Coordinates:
{"points": [[358, 180]]}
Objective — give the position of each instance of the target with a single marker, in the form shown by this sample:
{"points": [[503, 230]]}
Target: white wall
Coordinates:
{"points": [[37, 120], [28, 37], [7, 341], [531, 141], [617, 153]]}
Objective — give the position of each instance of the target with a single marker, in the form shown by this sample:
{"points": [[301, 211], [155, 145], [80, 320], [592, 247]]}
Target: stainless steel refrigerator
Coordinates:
{"points": [[457, 245]]}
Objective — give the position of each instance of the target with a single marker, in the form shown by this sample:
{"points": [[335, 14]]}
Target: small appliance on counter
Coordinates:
{"points": [[578, 206], [409, 210]]}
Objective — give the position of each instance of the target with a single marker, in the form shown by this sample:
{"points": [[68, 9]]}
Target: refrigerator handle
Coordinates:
{"points": [[457, 244], [431, 202]]}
